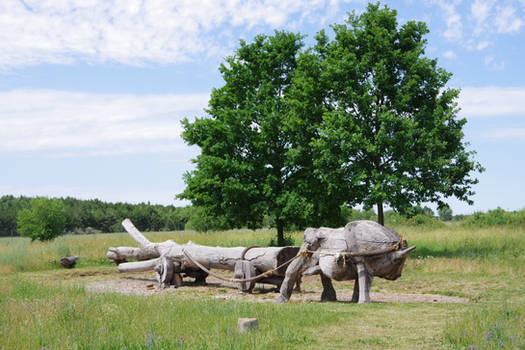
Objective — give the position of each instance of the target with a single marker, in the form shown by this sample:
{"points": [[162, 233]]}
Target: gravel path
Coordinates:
{"points": [[144, 285]]}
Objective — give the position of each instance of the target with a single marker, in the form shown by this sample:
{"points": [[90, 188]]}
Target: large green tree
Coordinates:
{"points": [[391, 135], [250, 163]]}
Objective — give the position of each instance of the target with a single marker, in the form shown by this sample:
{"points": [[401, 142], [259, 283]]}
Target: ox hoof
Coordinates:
{"points": [[281, 300]]}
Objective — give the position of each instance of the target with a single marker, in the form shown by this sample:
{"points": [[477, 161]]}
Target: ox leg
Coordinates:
{"points": [[328, 289], [365, 282], [355, 294], [293, 273]]}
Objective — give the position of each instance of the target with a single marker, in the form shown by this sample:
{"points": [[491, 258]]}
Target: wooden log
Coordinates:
{"points": [[258, 260], [120, 254], [263, 259], [138, 266], [69, 261]]}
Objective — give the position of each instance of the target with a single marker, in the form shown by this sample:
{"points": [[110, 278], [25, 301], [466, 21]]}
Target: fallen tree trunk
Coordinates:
{"points": [[69, 261], [262, 259]]}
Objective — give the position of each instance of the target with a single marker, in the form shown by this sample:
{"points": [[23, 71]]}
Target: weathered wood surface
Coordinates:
{"points": [[69, 261], [260, 259], [348, 253]]}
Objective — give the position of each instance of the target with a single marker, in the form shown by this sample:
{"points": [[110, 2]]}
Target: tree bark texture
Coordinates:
{"points": [[380, 214], [280, 231]]}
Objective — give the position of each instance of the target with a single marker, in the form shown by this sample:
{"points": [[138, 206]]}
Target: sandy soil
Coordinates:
{"points": [[215, 288]]}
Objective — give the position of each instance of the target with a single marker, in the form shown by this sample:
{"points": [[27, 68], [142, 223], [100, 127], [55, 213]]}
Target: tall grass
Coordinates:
{"points": [[492, 327], [500, 243], [19, 254]]}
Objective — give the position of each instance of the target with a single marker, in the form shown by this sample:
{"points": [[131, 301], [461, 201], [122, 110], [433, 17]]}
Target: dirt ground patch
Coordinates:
{"points": [[217, 289]]}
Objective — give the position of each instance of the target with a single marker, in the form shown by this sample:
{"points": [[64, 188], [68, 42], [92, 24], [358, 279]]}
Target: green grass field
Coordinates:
{"points": [[44, 306]]}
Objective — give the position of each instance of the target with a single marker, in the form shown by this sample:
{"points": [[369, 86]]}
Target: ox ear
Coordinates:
{"points": [[403, 252]]}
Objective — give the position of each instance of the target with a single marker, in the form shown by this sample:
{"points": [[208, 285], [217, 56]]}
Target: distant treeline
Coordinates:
{"points": [[90, 216], [425, 217], [93, 216]]}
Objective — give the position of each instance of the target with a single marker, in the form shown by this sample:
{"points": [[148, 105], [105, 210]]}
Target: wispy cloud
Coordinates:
{"points": [[480, 11], [492, 101], [477, 27], [506, 20], [450, 54], [133, 31], [494, 65], [453, 20], [70, 124]]}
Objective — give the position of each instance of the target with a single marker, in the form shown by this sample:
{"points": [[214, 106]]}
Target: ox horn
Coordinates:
{"points": [[401, 253]]}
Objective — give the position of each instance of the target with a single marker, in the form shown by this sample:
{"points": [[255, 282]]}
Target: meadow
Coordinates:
{"points": [[43, 306]]}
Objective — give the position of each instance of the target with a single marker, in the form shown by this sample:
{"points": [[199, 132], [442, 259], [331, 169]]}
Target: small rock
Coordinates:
{"points": [[247, 324]]}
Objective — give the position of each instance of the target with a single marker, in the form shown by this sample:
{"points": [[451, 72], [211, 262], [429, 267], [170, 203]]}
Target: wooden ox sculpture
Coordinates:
{"points": [[359, 251]]}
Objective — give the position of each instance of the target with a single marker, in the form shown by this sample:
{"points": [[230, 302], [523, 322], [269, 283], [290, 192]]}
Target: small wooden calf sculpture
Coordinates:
{"points": [[359, 251]]}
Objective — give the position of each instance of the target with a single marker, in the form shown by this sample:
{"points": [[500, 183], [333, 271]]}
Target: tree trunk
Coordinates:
{"points": [[380, 214], [280, 232], [69, 261]]}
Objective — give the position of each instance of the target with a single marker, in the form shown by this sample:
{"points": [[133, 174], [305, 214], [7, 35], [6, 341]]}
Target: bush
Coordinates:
{"points": [[44, 220], [495, 217], [200, 221], [393, 218], [445, 213]]}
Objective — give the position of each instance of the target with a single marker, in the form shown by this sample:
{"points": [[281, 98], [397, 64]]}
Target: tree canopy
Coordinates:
{"points": [[249, 164], [392, 134], [363, 118]]}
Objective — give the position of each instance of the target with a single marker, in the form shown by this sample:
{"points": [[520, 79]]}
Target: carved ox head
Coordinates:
{"points": [[388, 265]]}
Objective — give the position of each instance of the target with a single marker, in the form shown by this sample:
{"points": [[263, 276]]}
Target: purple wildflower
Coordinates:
{"points": [[150, 338], [501, 344]]}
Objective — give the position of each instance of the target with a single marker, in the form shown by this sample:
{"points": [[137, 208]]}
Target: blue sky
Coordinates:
{"points": [[92, 91]]}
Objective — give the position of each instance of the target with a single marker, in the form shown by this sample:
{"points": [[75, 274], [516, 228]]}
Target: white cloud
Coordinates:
{"points": [[506, 20], [68, 123], [492, 101], [453, 19], [482, 45], [133, 31], [480, 11], [450, 54]]}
